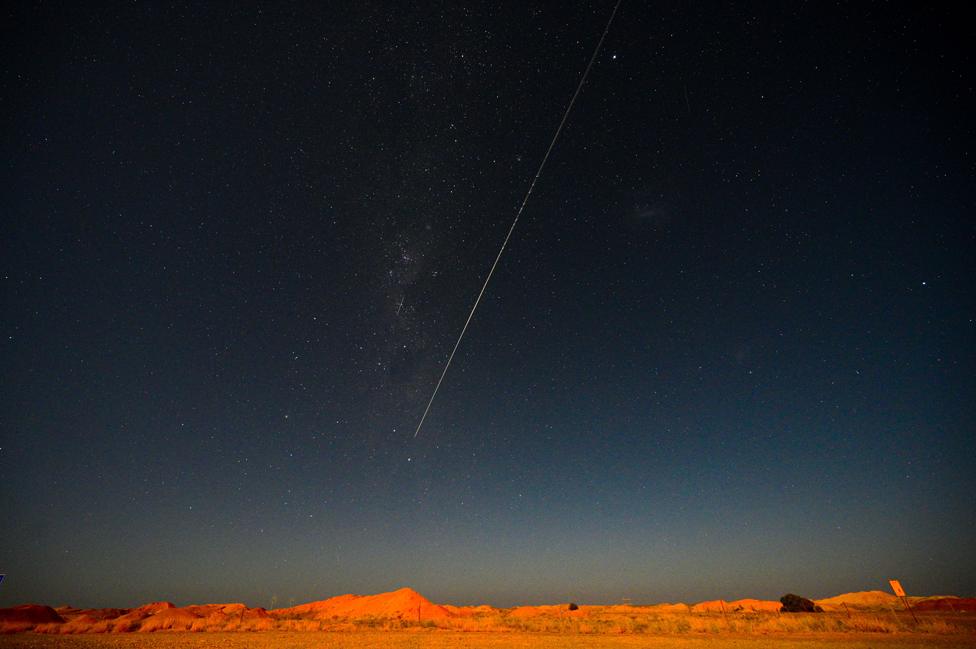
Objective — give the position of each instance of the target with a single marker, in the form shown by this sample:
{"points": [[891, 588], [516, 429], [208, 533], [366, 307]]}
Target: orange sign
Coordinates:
{"points": [[896, 586]]}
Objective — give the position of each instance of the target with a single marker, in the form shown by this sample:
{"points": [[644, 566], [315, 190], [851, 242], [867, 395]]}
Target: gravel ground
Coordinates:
{"points": [[451, 640]]}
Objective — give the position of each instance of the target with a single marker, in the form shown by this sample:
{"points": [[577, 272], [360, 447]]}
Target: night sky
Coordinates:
{"points": [[729, 350]]}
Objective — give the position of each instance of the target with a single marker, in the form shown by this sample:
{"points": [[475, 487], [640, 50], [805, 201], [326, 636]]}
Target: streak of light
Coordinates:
{"points": [[518, 214]]}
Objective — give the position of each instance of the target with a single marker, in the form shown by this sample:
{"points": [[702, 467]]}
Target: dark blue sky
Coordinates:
{"points": [[729, 351]]}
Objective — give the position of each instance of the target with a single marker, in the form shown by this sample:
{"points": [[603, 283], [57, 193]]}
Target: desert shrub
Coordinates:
{"points": [[573, 606], [796, 604], [266, 624], [937, 626]]}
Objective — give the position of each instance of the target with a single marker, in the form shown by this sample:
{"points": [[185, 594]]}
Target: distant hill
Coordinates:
{"points": [[736, 606], [27, 616], [405, 603], [953, 604], [406, 607]]}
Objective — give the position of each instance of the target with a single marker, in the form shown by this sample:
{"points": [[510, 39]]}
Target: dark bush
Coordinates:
{"points": [[573, 606], [796, 604]]}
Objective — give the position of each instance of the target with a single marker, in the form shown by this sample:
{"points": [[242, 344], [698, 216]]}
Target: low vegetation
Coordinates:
{"points": [[413, 639], [405, 610], [602, 621], [598, 620]]}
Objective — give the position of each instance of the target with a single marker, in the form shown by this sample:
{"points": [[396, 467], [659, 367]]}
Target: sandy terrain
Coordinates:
{"points": [[406, 609], [450, 640], [404, 618]]}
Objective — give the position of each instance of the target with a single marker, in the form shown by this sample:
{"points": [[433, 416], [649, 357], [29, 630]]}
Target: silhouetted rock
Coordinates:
{"points": [[796, 604], [573, 606]]}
